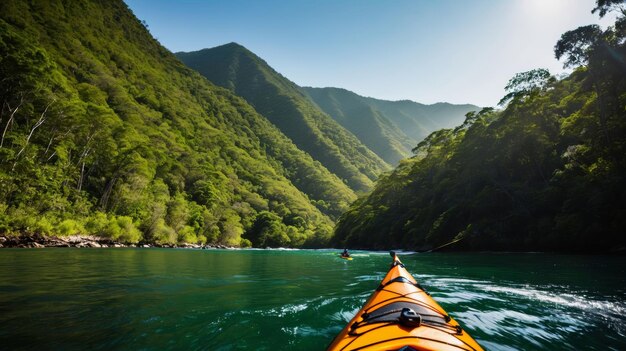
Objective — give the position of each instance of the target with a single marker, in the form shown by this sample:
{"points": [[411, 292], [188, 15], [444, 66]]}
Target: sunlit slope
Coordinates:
{"points": [[106, 132], [280, 100]]}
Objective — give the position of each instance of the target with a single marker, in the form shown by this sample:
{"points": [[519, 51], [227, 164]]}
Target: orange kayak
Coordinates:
{"points": [[401, 316]]}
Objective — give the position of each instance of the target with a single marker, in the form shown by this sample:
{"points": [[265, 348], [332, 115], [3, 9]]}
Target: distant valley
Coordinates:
{"points": [[390, 128]]}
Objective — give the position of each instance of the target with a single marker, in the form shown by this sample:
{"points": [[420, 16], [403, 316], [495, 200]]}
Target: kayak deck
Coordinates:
{"points": [[401, 315]]}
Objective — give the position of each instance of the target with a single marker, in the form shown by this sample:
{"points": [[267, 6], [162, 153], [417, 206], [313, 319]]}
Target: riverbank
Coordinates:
{"points": [[86, 241]]}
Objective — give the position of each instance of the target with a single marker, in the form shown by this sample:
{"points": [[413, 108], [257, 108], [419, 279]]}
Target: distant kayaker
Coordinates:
{"points": [[345, 253]]}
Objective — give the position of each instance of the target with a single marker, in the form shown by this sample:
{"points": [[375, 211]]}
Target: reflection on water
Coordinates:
{"points": [[155, 299]]}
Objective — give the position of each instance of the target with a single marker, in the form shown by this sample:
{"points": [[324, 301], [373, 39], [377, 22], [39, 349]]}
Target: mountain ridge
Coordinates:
{"points": [[382, 132], [281, 101]]}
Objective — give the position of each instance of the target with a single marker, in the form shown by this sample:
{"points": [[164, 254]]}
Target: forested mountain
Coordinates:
{"points": [[281, 101], [545, 173], [104, 131], [419, 120], [389, 128]]}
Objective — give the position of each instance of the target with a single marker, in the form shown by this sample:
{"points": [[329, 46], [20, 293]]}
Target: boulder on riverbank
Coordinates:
{"points": [[40, 241], [87, 241]]}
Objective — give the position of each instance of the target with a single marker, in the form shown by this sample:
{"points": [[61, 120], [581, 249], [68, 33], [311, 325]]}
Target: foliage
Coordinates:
{"points": [[103, 131], [605, 6], [576, 45], [545, 173], [525, 84]]}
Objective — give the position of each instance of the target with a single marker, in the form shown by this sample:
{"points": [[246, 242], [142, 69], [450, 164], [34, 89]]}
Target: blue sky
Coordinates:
{"points": [[428, 51]]}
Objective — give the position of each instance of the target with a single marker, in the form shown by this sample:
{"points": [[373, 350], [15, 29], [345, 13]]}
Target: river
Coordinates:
{"points": [[175, 299]]}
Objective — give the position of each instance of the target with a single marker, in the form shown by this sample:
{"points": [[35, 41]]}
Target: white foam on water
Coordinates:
{"points": [[465, 297], [580, 302], [276, 312], [344, 316], [506, 323], [366, 278], [456, 281], [323, 302]]}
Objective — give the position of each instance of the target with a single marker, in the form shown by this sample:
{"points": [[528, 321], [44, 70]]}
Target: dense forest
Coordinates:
{"points": [[234, 67], [546, 172], [103, 131]]}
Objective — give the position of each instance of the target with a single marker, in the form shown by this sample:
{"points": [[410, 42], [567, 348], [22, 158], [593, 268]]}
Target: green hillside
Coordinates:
{"points": [[546, 173], [368, 124], [104, 131], [281, 101], [389, 128]]}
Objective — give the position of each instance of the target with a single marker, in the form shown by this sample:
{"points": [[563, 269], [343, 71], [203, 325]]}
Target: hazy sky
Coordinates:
{"points": [[458, 51]]}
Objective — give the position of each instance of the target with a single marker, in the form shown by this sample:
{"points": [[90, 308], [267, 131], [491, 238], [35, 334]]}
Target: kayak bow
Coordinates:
{"points": [[401, 316]]}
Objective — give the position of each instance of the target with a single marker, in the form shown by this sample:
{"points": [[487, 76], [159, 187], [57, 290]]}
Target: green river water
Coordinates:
{"points": [[171, 299]]}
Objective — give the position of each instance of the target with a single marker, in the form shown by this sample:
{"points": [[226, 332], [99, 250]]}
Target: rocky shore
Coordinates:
{"points": [[40, 241]]}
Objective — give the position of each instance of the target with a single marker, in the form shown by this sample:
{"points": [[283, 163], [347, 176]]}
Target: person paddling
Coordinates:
{"points": [[345, 253]]}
